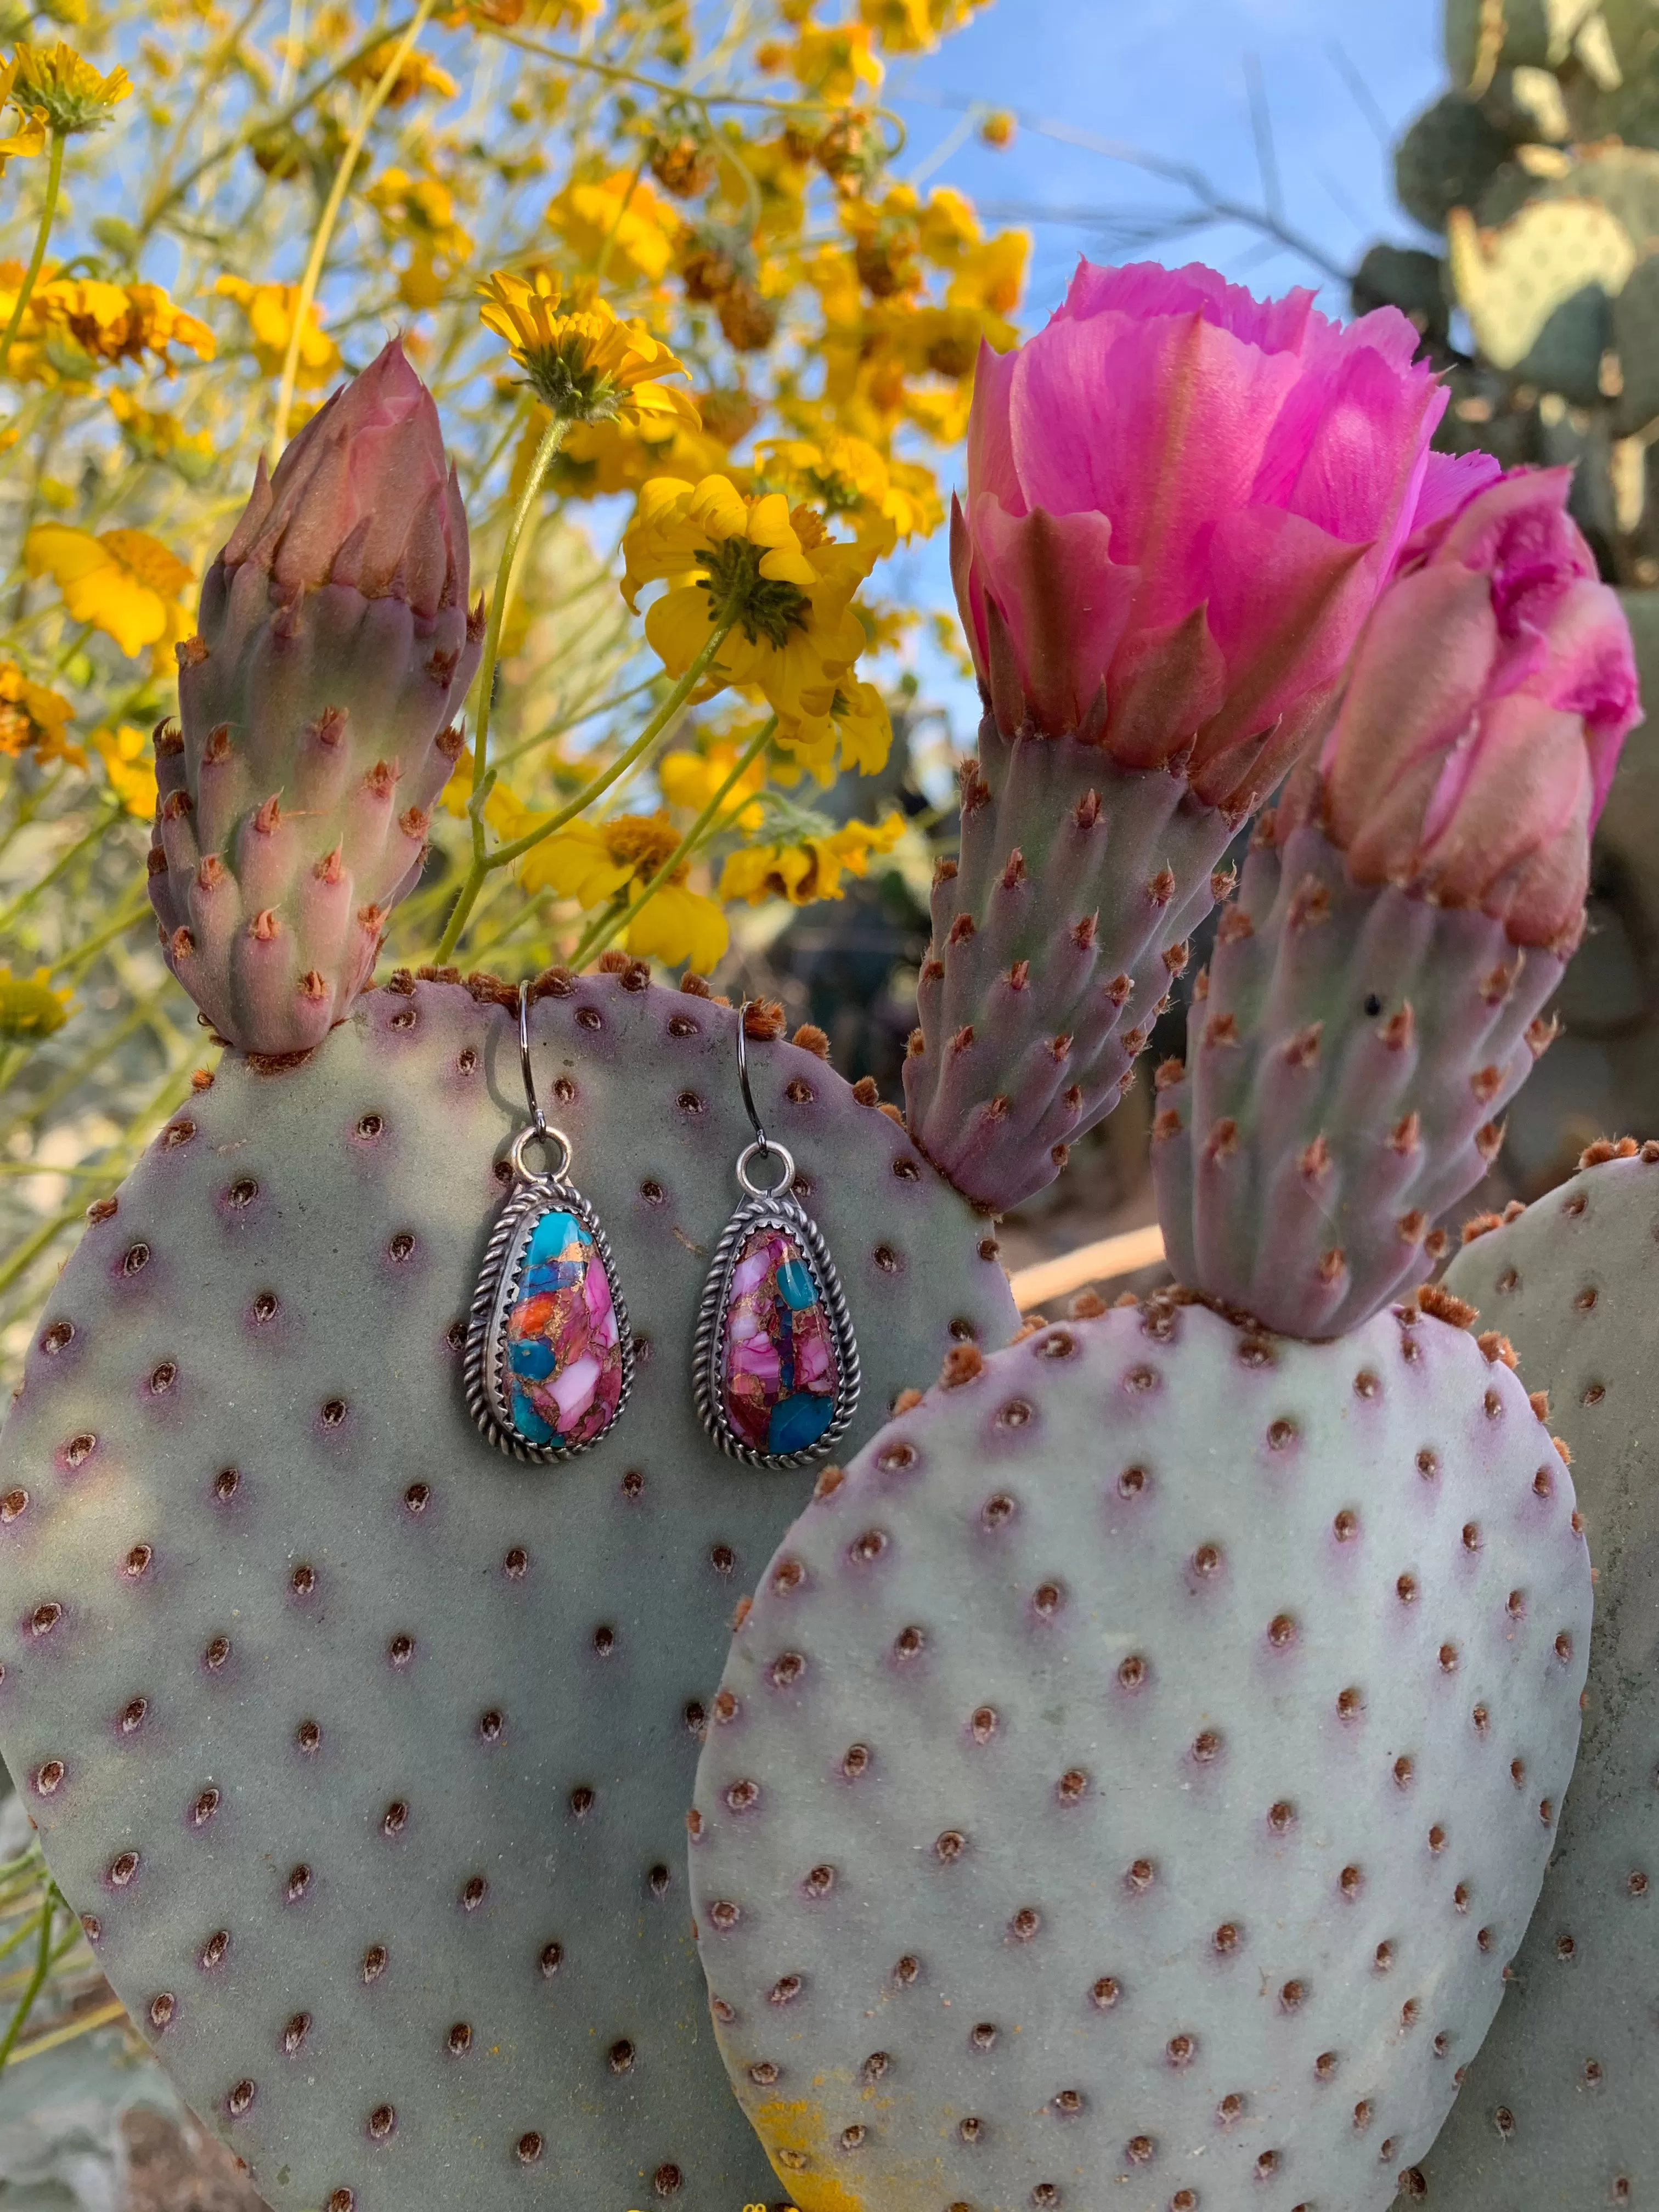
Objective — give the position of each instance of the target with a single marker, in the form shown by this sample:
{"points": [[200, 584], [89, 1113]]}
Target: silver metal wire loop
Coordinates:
{"points": [[760, 1152]]}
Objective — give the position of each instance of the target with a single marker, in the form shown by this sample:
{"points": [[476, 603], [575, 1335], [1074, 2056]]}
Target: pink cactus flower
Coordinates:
{"points": [[1182, 504], [1483, 711]]}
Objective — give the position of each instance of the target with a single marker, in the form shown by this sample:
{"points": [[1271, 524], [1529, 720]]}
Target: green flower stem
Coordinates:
{"points": [[42, 1961], [572, 721], [54, 179], [606, 931], [503, 854], [27, 898], [325, 222], [551, 439]]}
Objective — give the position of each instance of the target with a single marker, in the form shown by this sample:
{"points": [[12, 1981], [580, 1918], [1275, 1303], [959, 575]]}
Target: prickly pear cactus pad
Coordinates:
{"points": [[1133, 1775], [1056, 938], [364, 1749], [1349, 1052], [1559, 2109]]}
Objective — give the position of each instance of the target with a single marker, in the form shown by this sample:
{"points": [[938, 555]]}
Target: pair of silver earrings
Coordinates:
{"points": [[549, 1353]]}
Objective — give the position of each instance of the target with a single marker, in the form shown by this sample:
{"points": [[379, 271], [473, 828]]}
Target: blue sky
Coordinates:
{"points": [[1171, 78]]}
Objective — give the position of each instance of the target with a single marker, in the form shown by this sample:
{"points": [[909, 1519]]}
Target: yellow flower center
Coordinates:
{"points": [[765, 606], [643, 843]]}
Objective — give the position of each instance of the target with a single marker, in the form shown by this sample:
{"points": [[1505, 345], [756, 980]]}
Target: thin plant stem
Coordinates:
{"points": [[49, 209], [609, 238], [653, 730], [325, 222], [572, 721], [80, 956], [27, 898], [551, 439], [105, 2017], [606, 931], [43, 1960]]}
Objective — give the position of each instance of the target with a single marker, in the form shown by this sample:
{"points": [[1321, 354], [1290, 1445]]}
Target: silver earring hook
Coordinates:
{"points": [[743, 1078], [540, 1126], [763, 1149]]}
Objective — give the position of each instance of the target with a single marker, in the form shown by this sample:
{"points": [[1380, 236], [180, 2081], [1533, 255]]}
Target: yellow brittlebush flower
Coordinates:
{"points": [[29, 1008], [115, 322], [72, 95], [836, 61], [848, 478], [125, 582], [422, 209], [132, 774], [270, 309], [854, 726], [809, 867], [33, 719], [596, 862], [786, 587], [915, 26], [158, 435], [30, 135], [583, 363], [690, 780], [619, 217], [598, 458], [417, 74], [507, 816]]}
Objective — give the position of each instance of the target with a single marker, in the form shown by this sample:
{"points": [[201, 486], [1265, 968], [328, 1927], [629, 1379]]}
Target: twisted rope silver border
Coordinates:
{"points": [[787, 1214], [486, 1343]]}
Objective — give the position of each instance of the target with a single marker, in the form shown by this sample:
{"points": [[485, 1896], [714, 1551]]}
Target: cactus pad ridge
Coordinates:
{"points": [[1559, 2108], [1056, 938], [1346, 1071], [364, 1750], [1134, 1773]]}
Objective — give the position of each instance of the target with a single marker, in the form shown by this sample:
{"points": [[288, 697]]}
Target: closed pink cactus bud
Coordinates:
{"points": [[1482, 717], [1182, 504], [317, 708]]}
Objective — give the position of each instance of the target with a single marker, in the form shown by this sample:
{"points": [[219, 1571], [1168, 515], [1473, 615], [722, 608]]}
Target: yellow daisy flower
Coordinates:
{"points": [[29, 1007], [131, 775], [118, 322], [789, 586], [595, 862], [33, 719], [618, 215], [30, 135], [806, 868], [55, 81], [855, 720], [690, 780], [584, 364], [123, 582], [270, 310]]}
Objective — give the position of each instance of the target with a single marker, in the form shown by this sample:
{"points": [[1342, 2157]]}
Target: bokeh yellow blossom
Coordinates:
{"points": [[30, 135], [125, 582], [130, 772], [421, 210], [618, 217], [33, 719], [582, 362], [29, 1008], [417, 73], [690, 780], [915, 26], [808, 868], [115, 322], [157, 434], [270, 309]]}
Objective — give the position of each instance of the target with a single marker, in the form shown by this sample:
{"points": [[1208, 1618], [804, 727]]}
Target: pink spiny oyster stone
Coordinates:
{"points": [[780, 1378], [563, 1346]]}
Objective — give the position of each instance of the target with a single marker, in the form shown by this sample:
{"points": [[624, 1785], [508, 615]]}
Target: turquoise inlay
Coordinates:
{"points": [[795, 1285], [798, 1421]]}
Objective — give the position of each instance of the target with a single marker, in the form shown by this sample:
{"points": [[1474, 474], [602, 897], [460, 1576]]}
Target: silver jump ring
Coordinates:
{"points": [[544, 1135], [761, 1151]]}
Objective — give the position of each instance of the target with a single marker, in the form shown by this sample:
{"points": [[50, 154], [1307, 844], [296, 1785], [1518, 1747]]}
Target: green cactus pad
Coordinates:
{"points": [[1133, 1775], [1056, 938], [1447, 158], [1347, 1060], [1559, 2110], [366, 1749]]}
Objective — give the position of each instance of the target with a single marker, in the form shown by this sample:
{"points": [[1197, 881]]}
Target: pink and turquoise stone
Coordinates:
{"points": [[564, 1367], [779, 1373]]}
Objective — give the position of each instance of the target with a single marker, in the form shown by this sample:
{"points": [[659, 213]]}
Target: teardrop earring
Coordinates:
{"points": [[550, 1355], [774, 1363]]}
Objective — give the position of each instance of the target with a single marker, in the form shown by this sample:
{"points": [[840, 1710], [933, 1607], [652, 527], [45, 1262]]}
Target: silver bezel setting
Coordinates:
{"points": [[772, 1211], [487, 1398]]}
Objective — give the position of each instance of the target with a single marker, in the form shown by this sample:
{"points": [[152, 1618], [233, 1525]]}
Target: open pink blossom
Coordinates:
{"points": [[1483, 714], [1182, 503]]}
